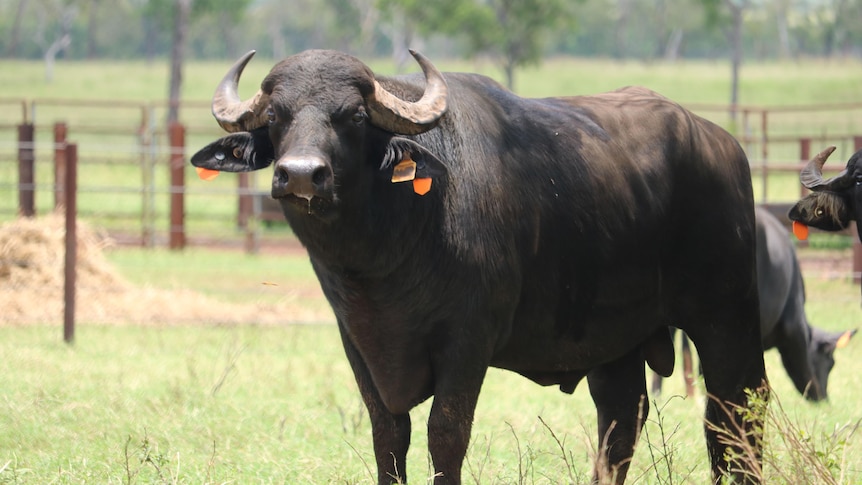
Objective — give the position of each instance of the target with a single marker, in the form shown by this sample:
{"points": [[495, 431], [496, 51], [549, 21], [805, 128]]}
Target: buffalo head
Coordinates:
{"points": [[833, 203], [821, 350], [328, 125]]}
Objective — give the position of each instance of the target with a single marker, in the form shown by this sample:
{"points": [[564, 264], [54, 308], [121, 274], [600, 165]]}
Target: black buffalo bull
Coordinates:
{"points": [[455, 226], [806, 352]]}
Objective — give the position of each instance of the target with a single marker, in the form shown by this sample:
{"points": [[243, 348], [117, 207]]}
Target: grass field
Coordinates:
{"points": [[210, 403], [213, 403]]}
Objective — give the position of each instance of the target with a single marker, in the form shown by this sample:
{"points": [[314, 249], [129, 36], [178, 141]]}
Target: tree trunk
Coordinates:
{"points": [[402, 38], [278, 40], [509, 69], [92, 27], [12, 48], [51, 55], [671, 50], [181, 24], [736, 53], [62, 42], [784, 51], [621, 28]]}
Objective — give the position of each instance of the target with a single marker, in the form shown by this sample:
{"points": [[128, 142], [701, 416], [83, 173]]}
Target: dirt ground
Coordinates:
{"points": [[31, 283], [32, 286]]}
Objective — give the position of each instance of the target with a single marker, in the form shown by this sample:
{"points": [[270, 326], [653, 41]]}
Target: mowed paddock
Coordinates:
{"points": [[210, 365]]}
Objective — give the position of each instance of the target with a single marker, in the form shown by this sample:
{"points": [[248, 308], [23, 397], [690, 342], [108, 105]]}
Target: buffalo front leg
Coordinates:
{"points": [[449, 424], [390, 432], [618, 389]]}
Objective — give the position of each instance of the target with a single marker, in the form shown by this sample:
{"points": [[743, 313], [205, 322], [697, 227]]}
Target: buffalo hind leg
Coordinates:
{"points": [[618, 389], [390, 432], [732, 363]]}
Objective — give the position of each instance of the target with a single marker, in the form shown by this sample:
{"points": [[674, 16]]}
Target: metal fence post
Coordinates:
{"points": [[148, 157], [177, 133], [60, 132], [244, 209], [70, 271], [26, 171]]}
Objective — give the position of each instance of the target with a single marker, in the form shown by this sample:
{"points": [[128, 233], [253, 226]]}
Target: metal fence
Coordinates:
{"points": [[134, 179]]}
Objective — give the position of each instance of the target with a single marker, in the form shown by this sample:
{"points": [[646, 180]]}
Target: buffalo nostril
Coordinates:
{"points": [[281, 175], [321, 176], [304, 177]]}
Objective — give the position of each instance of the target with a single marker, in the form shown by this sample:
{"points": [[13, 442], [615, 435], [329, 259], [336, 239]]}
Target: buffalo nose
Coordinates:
{"points": [[305, 177]]}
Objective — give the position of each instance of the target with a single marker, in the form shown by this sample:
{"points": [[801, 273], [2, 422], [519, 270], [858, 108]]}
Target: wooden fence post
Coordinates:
{"points": [[244, 209], [70, 271], [804, 156], [177, 135], [26, 171], [60, 132]]}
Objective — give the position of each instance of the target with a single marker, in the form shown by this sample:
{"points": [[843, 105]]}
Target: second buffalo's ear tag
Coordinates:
{"points": [[405, 171], [800, 230], [206, 174]]}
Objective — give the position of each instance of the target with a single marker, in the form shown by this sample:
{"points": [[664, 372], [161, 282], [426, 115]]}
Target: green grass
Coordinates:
{"points": [[225, 274], [277, 404]]}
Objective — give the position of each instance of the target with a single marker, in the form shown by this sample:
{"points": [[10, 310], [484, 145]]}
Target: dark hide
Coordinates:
{"points": [[560, 238], [806, 352], [834, 205]]}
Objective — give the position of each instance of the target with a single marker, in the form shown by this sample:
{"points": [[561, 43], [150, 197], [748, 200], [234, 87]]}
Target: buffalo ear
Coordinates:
{"points": [[240, 152], [844, 339], [824, 210], [398, 149]]}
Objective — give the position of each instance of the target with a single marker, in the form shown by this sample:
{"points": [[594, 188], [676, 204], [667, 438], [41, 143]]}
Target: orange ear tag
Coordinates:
{"points": [[206, 174], [800, 230], [421, 186], [404, 171]]}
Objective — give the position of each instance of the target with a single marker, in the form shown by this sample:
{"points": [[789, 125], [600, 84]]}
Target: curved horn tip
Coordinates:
{"points": [[242, 61], [825, 153]]}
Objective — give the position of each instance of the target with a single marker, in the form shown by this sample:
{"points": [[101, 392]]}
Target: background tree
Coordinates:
{"points": [[728, 14], [53, 31], [228, 14], [12, 47], [178, 47], [505, 31], [513, 33]]}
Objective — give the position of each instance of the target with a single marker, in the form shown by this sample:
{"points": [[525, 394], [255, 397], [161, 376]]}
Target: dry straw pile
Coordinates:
{"points": [[31, 285]]}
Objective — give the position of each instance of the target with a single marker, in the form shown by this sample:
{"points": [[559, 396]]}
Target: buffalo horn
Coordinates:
{"points": [[812, 174], [229, 110], [411, 118]]}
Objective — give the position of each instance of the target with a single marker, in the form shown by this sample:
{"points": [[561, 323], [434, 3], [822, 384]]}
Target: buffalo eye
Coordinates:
{"points": [[359, 117], [270, 115]]}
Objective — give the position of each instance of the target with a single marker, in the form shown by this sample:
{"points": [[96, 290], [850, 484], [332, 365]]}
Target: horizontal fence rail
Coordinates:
{"points": [[134, 179]]}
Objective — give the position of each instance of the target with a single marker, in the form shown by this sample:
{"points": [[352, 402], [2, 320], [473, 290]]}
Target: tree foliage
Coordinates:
{"points": [[512, 32]]}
